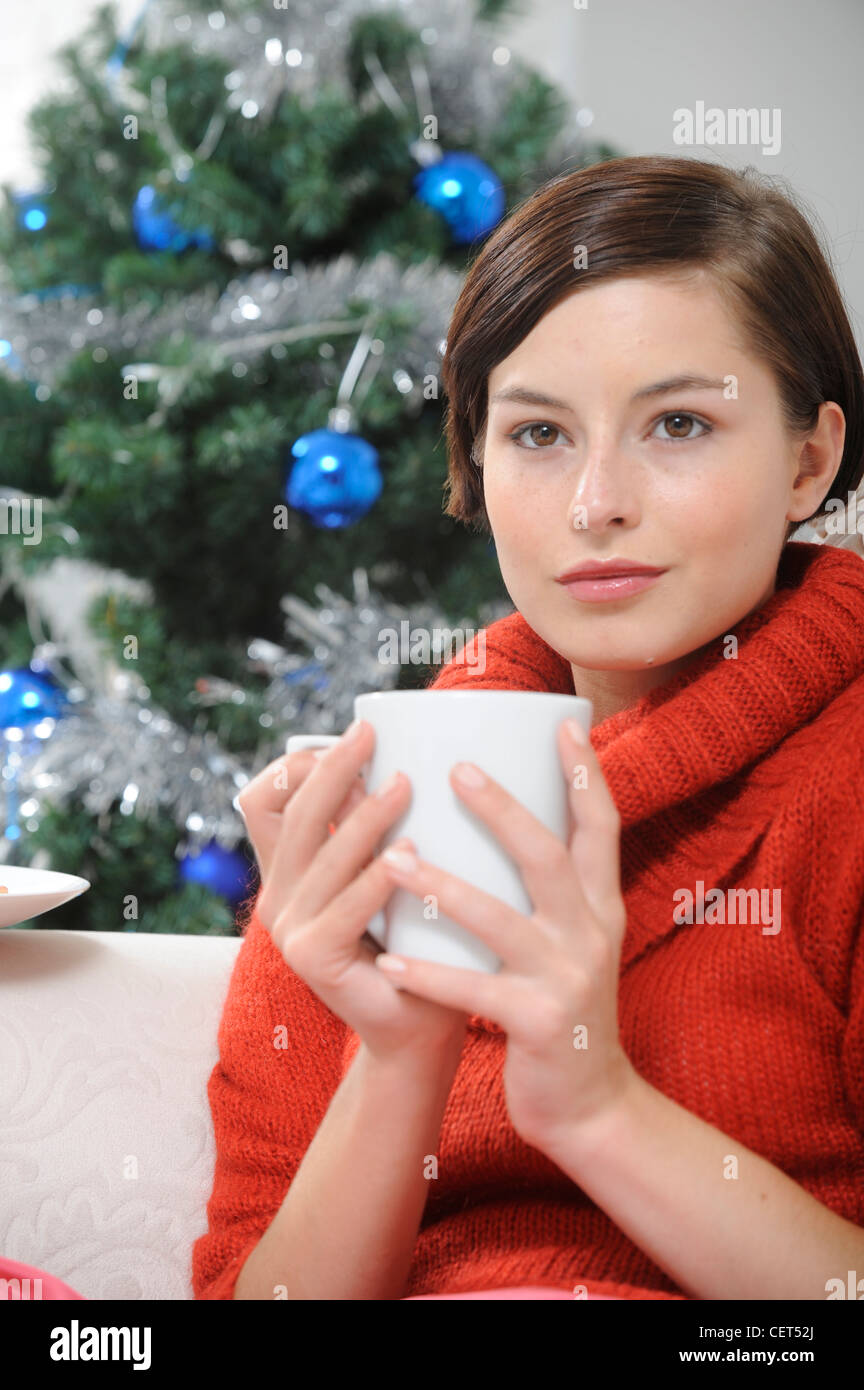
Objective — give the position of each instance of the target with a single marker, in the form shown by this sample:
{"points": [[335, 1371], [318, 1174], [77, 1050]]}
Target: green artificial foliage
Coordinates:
{"points": [[178, 490]]}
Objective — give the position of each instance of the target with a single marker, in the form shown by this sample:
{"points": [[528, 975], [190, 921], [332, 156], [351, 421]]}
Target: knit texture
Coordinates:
{"points": [[738, 773]]}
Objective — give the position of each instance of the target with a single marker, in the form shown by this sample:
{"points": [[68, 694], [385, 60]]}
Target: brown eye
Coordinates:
{"points": [[682, 425], [541, 434]]}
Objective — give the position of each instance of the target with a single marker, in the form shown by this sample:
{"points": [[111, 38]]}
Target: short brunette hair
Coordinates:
{"points": [[659, 214]]}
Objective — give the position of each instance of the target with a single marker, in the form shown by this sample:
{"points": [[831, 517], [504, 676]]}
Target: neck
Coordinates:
{"points": [[611, 691]]}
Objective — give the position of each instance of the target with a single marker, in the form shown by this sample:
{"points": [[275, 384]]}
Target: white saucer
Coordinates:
{"points": [[32, 891]]}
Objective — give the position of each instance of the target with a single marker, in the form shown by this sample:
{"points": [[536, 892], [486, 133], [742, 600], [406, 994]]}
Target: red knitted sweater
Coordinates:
{"points": [[742, 772]]}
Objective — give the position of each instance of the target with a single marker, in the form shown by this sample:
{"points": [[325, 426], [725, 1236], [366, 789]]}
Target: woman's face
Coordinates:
{"points": [[699, 482]]}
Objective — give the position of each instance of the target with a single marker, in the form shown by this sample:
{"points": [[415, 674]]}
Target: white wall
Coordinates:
{"points": [[631, 63], [31, 32]]}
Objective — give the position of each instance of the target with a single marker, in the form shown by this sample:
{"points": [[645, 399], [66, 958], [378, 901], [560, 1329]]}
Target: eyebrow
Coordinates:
{"points": [[686, 381]]}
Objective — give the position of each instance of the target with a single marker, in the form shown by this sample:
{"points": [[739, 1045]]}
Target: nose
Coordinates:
{"points": [[605, 494]]}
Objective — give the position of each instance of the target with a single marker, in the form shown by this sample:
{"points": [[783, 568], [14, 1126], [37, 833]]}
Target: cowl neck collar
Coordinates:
{"points": [[795, 654]]}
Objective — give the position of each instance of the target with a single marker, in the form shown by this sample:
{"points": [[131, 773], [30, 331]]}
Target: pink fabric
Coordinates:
{"points": [[533, 1291], [41, 1285], [51, 1287]]}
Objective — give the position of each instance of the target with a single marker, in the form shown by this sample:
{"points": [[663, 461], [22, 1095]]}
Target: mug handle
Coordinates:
{"points": [[296, 744]]}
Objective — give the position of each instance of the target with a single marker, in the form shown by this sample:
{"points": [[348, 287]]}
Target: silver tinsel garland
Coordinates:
{"points": [[255, 314], [468, 73], [119, 750], [114, 747], [465, 71], [351, 641], [348, 646]]}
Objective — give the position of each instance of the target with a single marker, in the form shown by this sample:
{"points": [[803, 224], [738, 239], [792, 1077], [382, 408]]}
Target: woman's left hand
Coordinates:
{"points": [[556, 993]]}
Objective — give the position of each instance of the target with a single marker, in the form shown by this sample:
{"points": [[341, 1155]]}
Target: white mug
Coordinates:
{"points": [[512, 736]]}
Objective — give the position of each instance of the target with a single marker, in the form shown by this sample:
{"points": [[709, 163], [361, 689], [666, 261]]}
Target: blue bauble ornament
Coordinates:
{"points": [[466, 192], [223, 871], [335, 479], [156, 229], [27, 699], [33, 209], [9, 358]]}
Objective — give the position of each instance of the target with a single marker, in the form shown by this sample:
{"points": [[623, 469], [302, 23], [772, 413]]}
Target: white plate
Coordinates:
{"points": [[31, 891]]}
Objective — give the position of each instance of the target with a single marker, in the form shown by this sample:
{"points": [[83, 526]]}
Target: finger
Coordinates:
{"points": [[275, 784], [349, 849], [543, 860], [354, 798], [332, 938], [595, 844], [471, 991], [261, 803], [507, 932], [307, 816]]}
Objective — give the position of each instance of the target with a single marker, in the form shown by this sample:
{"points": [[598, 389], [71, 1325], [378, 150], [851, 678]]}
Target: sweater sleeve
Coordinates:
{"points": [[280, 1062]]}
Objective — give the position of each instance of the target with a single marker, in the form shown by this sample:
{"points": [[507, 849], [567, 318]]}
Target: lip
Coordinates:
{"points": [[595, 590], [603, 583], [603, 569]]}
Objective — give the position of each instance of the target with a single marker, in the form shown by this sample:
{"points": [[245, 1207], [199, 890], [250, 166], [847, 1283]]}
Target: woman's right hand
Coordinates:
{"points": [[320, 889]]}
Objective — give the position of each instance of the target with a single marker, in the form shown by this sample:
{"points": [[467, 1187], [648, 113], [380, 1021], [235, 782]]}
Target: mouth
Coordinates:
{"points": [[598, 587]]}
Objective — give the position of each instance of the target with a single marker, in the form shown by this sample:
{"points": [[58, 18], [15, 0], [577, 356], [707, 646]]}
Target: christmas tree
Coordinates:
{"points": [[222, 312]]}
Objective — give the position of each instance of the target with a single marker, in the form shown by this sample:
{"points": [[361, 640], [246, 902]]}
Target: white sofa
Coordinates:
{"points": [[107, 1040]]}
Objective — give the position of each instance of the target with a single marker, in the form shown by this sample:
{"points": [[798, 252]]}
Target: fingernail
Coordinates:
{"points": [[402, 860], [355, 728], [390, 785], [576, 732], [468, 775], [385, 962]]}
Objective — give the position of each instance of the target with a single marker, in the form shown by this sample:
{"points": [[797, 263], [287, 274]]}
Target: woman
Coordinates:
{"points": [[649, 365]]}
